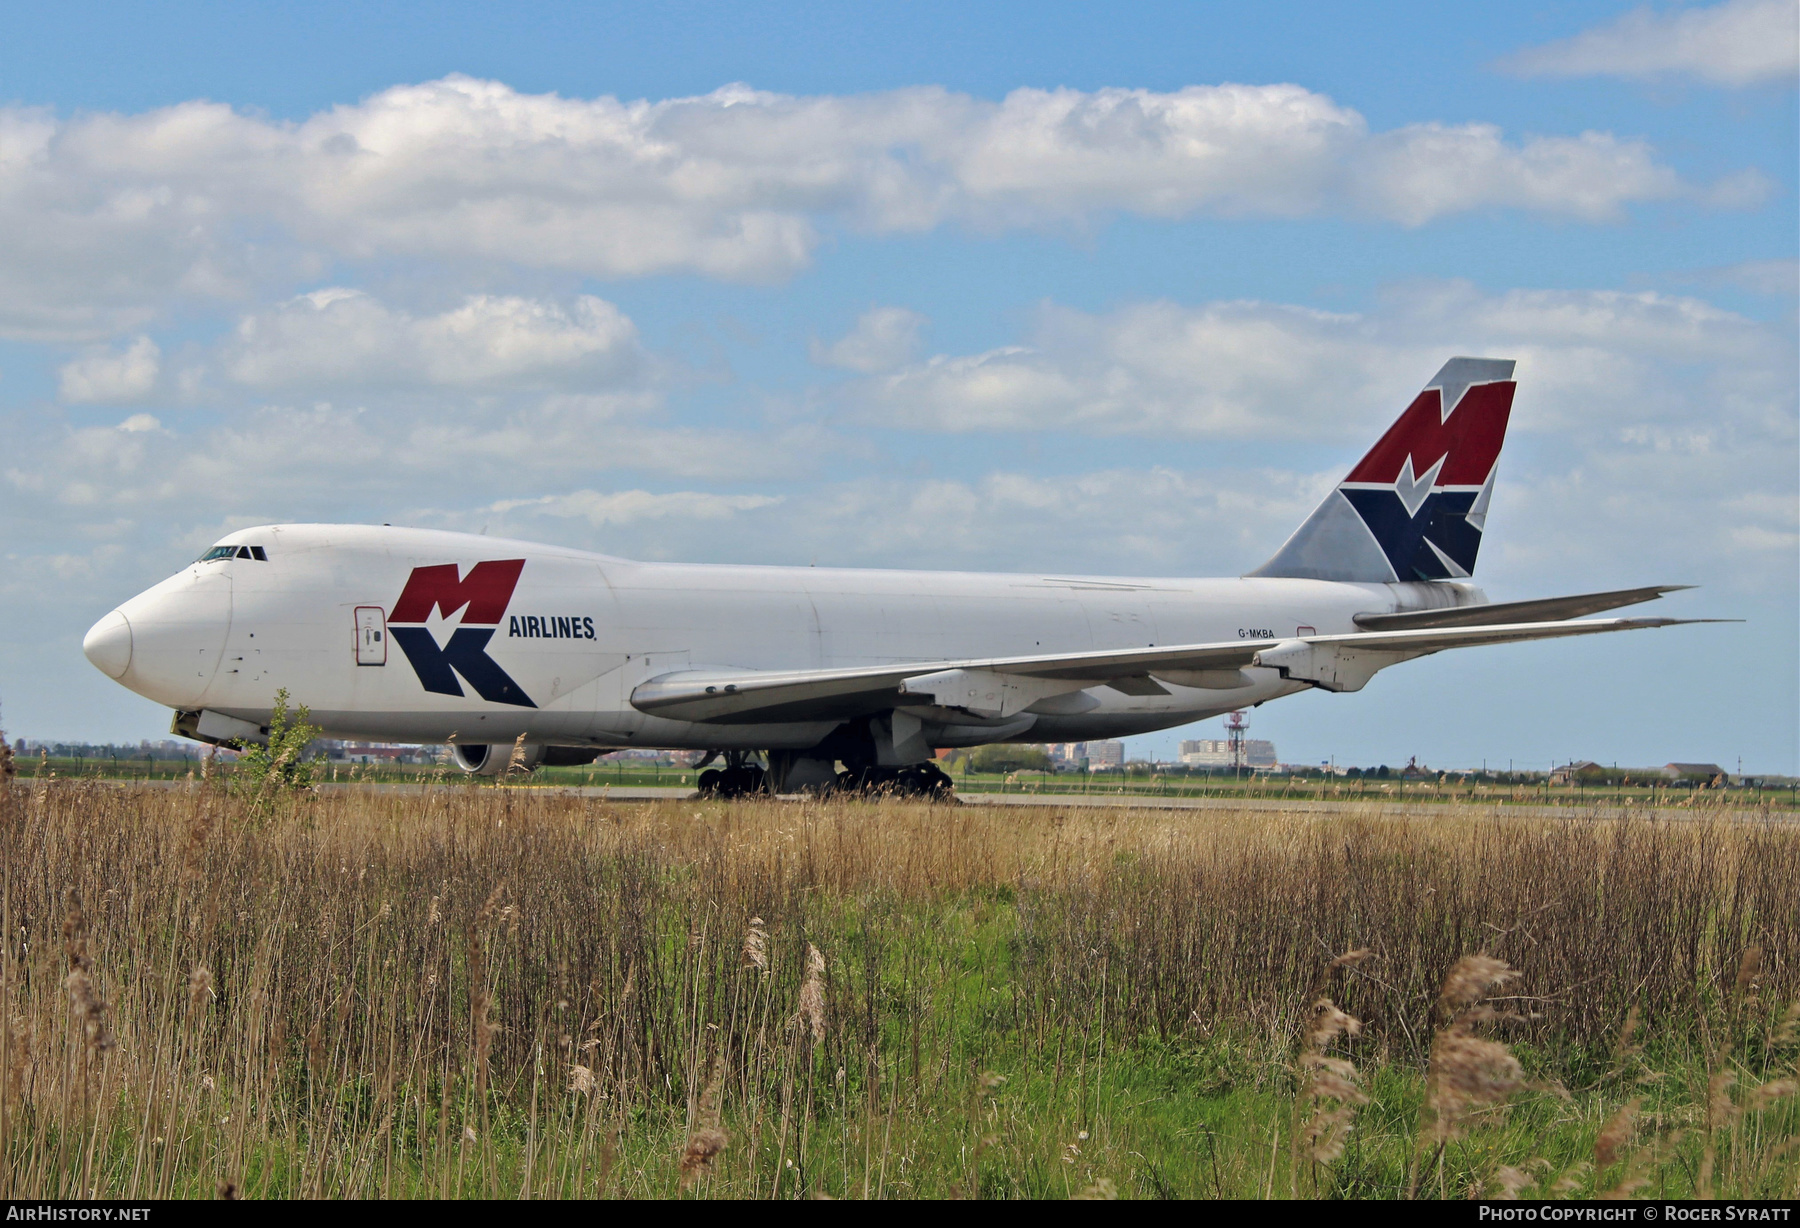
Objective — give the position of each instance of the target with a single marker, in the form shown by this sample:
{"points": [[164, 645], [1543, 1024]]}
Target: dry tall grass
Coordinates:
{"points": [[506, 992]]}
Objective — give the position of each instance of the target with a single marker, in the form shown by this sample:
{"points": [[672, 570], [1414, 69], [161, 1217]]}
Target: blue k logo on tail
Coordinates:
{"points": [[1415, 507]]}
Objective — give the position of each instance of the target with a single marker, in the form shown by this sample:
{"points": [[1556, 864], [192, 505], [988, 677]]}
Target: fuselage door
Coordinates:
{"points": [[371, 635]]}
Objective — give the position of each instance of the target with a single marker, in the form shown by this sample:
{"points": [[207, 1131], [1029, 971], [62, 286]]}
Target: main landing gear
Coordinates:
{"points": [[740, 778], [737, 778], [923, 780]]}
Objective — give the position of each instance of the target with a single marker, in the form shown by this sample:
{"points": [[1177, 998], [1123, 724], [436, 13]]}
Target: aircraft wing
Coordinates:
{"points": [[731, 696]]}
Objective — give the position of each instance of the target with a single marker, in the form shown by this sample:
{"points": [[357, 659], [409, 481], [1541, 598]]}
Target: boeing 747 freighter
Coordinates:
{"points": [[832, 678]]}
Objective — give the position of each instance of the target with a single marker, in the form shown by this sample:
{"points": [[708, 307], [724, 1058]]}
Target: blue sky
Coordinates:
{"points": [[1007, 286]]}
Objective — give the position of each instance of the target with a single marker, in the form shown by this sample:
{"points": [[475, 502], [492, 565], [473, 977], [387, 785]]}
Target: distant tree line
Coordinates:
{"points": [[161, 752]]}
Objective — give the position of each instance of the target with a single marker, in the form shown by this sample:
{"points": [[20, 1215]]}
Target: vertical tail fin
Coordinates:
{"points": [[1414, 508]]}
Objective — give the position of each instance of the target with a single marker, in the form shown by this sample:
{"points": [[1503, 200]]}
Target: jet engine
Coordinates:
{"points": [[482, 759]]}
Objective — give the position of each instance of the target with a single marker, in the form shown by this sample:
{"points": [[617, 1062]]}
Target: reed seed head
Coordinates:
{"points": [[1626, 1049], [1776, 1089], [88, 1009], [1749, 970], [1471, 979], [1510, 1181], [1721, 1109], [708, 1138], [1329, 1084], [756, 946], [811, 1014], [1570, 1181], [1104, 1189], [703, 1146], [1467, 1073], [1329, 1023], [199, 987], [1628, 1186], [1326, 1132], [1788, 1029], [18, 1061], [1616, 1133]]}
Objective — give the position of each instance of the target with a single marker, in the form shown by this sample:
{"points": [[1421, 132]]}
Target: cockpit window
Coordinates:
{"points": [[234, 552]]}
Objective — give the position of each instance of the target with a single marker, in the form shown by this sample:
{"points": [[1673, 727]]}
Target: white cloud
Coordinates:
{"points": [[1250, 370], [1224, 369], [1654, 437], [630, 506], [1124, 520], [1118, 521], [1428, 171], [284, 462], [113, 218], [112, 376], [883, 338], [1699, 510], [339, 338], [1740, 42], [1775, 277], [100, 238]]}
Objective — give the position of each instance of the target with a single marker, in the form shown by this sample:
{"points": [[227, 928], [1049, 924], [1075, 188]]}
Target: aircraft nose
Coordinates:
{"points": [[108, 645]]}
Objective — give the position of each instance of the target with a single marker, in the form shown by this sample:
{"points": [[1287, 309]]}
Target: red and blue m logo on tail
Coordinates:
{"points": [[1415, 507], [482, 596]]}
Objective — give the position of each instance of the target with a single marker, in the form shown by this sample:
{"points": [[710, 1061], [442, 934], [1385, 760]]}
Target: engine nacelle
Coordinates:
{"points": [[482, 759]]}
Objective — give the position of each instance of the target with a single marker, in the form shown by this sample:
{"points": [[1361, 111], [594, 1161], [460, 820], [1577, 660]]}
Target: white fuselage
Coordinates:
{"points": [[225, 635]]}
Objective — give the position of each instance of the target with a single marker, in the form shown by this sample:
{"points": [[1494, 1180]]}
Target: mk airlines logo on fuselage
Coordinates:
{"points": [[482, 596], [1423, 490]]}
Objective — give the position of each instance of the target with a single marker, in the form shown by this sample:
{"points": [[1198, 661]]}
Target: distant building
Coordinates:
{"points": [[1104, 754], [378, 752], [1216, 753], [1705, 772], [1585, 769]]}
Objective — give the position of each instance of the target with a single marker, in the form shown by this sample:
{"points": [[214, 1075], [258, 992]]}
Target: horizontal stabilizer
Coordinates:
{"points": [[1541, 610]]}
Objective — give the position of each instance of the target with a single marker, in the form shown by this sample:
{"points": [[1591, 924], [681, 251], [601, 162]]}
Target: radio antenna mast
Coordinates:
{"points": [[1235, 727]]}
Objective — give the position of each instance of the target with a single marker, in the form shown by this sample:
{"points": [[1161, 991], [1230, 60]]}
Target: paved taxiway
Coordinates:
{"points": [[1125, 801]]}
